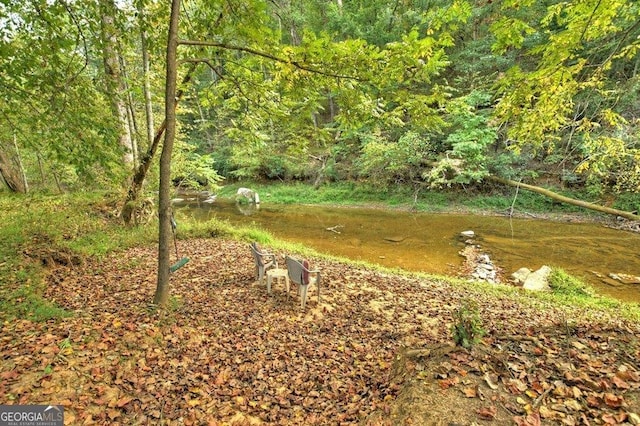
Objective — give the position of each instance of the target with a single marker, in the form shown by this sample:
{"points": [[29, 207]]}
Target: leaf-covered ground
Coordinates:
{"points": [[376, 350]]}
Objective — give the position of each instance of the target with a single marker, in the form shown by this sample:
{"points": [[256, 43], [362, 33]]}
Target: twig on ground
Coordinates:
{"points": [[335, 228], [541, 397]]}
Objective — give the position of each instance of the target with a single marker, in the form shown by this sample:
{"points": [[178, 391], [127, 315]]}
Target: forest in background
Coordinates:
{"points": [[428, 94]]}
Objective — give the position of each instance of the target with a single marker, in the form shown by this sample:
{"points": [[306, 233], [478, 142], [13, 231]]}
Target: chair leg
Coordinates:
{"points": [[303, 295], [269, 278], [287, 284]]}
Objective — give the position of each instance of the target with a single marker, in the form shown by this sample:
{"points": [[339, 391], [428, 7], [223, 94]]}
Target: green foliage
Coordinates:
{"points": [[364, 193], [25, 302], [510, 33], [569, 286], [78, 225], [51, 103], [311, 90], [194, 168], [387, 162], [327, 90], [571, 291], [628, 202], [469, 138], [570, 99], [467, 329]]}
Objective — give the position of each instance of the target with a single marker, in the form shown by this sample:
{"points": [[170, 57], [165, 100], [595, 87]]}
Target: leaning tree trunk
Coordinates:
{"points": [[133, 195], [567, 200], [11, 173], [164, 207]]}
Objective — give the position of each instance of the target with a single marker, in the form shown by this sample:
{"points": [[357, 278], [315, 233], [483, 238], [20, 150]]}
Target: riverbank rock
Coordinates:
{"points": [[248, 195], [467, 234], [485, 270], [395, 239], [520, 276], [625, 278], [535, 281], [478, 265]]}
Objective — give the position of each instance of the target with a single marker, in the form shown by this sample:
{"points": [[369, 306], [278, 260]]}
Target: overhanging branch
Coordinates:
{"points": [[264, 55]]}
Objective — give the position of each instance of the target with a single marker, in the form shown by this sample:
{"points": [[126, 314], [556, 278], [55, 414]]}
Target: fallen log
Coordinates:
{"points": [[567, 200]]}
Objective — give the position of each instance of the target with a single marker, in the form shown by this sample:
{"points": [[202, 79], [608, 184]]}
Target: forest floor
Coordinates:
{"points": [[376, 350]]}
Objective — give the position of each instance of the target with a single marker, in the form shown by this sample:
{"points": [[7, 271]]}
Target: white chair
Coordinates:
{"points": [[301, 273], [264, 260]]}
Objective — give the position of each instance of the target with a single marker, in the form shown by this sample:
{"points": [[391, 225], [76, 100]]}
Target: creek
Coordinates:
{"points": [[430, 242]]}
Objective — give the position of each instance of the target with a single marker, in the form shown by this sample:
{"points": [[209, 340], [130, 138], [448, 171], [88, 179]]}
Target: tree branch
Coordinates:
{"points": [[213, 68], [264, 55]]}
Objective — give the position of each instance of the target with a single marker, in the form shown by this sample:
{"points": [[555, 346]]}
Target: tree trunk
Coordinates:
{"points": [[131, 202], [11, 173], [164, 208], [148, 104], [133, 195], [567, 200], [132, 124], [115, 83], [23, 174]]}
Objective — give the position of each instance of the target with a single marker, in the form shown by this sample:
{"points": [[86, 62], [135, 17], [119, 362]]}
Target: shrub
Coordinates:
{"points": [[569, 286], [467, 327]]}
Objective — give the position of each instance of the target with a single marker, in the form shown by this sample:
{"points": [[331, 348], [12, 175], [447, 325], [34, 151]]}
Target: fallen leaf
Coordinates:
{"points": [[620, 384], [447, 383], [9, 375], [577, 393], [516, 386], [470, 392], [491, 380], [124, 401], [594, 401], [487, 413], [625, 373], [530, 420], [613, 400], [573, 405], [579, 346], [547, 413]]}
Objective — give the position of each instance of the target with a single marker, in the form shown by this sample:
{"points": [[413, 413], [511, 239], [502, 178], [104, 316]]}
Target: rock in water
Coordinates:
{"points": [[249, 194], [395, 239], [468, 234]]}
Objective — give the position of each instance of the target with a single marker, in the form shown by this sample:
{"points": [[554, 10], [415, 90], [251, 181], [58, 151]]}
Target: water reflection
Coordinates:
{"points": [[429, 242]]}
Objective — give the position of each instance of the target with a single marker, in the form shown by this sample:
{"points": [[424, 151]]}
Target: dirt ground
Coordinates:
{"points": [[376, 349]]}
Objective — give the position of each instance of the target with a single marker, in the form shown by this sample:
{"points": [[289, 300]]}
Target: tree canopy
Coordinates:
{"points": [[430, 94]]}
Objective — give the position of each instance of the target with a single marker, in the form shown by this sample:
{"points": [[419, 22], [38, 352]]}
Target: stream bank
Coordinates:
{"points": [[428, 242]]}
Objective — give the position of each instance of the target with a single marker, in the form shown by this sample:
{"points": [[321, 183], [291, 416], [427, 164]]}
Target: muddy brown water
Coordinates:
{"points": [[430, 242]]}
